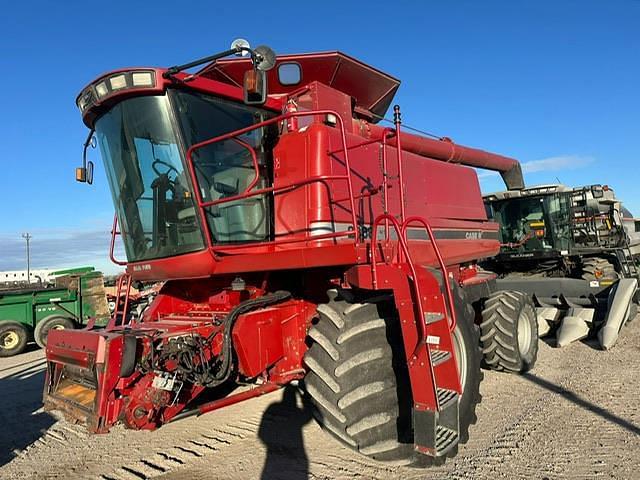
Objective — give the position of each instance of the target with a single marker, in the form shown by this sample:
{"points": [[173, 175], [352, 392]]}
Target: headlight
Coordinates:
{"points": [[102, 90], [143, 79], [106, 86], [117, 82]]}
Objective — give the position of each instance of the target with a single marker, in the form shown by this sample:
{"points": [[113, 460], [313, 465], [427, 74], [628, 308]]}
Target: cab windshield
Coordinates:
{"points": [[143, 140], [533, 223]]}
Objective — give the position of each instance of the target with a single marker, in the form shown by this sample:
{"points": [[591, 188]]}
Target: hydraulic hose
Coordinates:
{"points": [[224, 370]]}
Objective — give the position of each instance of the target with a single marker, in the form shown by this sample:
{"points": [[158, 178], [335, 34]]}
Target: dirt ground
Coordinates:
{"points": [[576, 415]]}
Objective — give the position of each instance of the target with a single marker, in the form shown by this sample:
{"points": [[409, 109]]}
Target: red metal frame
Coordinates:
{"points": [[242, 396], [246, 194]]}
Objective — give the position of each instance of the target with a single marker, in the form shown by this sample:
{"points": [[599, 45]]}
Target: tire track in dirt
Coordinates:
{"points": [[200, 444]]}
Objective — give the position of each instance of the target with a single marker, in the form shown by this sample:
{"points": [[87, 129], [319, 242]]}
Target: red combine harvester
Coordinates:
{"points": [[298, 241]]}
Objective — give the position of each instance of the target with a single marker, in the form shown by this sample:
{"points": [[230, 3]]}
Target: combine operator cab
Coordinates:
{"points": [[561, 231], [296, 239]]}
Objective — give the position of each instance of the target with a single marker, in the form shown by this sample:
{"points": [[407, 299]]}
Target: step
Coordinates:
{"points": [[446, 397], [445, 440], [439, 356]]}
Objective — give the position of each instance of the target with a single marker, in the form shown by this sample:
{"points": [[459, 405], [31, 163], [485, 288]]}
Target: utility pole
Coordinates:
{"points": [[27, 237]]}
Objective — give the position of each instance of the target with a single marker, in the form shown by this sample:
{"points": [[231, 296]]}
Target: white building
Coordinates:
{"points": [[14, 277]]}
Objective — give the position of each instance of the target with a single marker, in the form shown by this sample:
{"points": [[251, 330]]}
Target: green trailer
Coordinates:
{"points": [[30, 313]]}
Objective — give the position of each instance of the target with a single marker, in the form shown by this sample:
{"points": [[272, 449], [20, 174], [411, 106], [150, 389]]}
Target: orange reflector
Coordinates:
{"points": [[77, 393], [539, 233]]}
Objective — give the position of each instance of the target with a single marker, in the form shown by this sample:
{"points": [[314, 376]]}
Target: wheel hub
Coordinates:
{"points": [[9, 340], [461, 356], [524, 333]]}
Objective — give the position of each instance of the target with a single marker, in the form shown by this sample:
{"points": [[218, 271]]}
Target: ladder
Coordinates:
{"points": [[582, 223], [427, 334], [427, 320], [123, 292], [628, 266]]}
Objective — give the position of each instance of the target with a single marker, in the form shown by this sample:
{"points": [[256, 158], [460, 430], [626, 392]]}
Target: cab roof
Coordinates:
{"points": [[372, 90]]}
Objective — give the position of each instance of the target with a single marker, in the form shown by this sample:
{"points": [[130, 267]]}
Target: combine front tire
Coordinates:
{"points": [[358, 382], [13, 338], [509, 332]]}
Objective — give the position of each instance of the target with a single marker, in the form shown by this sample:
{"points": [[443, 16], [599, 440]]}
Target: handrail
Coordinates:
{"points": [[397, 122], [198, 194], [254, 160], [114, 232], [261, 191], [124, 282], [445, 273], [403, 245], [385, 177]]}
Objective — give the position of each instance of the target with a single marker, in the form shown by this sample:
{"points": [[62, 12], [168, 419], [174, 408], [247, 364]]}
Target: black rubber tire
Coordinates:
{"points": [[470, 333], [46, 324], [598, 269], [501, 315], [368, 408], [10, 327]]}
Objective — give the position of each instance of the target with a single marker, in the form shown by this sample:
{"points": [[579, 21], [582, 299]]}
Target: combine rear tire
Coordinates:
{"points": [[598, 269], [358, 382], [13, 338], [44, 326], [509, 332]]}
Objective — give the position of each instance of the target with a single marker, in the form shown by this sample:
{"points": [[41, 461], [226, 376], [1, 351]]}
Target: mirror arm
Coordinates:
{"points": [[212, 58], [87, 142], [84, 174]]}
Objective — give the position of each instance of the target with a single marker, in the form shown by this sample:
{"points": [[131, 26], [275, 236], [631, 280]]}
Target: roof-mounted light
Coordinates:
{"points": [[118, 82], [143, 79], [102, 90], [107, 86]]}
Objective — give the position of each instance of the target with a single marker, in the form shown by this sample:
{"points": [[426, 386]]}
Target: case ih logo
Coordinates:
{"points": [[473, 235]]}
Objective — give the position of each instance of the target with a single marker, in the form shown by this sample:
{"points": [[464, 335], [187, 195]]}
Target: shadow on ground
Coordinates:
{"points": [[281, 432], [581, 402], [21, 398]]}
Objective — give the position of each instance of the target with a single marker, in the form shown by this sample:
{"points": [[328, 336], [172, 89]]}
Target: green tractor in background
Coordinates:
{"points": [[30, 313]]}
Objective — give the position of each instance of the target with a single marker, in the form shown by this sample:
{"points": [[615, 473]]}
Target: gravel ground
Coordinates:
{"points": [[576, 415]]}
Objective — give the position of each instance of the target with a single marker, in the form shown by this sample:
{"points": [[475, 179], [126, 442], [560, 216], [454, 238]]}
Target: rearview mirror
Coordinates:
{"points": [[255, 87], [84, 174]]}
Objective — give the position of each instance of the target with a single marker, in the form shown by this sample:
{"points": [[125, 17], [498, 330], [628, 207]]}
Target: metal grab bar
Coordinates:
{"points": [[261, 191], [401, 231], [254, 160], [445, 273], [405, 249], [114, 232], [202, 205]]}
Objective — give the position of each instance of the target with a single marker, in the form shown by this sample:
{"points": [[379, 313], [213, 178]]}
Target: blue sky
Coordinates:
{"points": [[552, 83]]}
